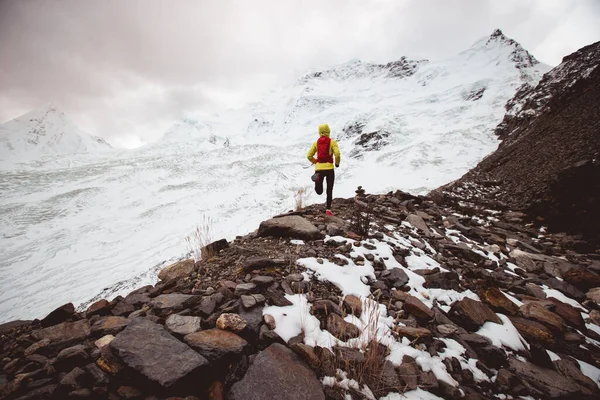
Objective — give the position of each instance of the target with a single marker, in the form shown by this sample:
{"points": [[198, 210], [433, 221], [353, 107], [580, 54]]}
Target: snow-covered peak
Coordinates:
{"points": [[530, 100], [356, 68], [45, 131], [192, 131]]}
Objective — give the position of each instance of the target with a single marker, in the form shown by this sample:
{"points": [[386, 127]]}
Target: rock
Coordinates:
{"points": [[396, 278], [418, 223], [409, 372], [169, 303], [215, 391], [109, 325], [472, 314], [537, 312], [545, 380], [443, 280], [417, 309], [566, 288], [213, 248], [73, 380], [353, 305], [532, 330], [101, 307], [582, 279], [99, 378], [64, 332], [389, 378], [150, 350], [276, 298], [349, 355], [595, 317], [254, 263], [341, 329], [37, 346], [177, 270], [447, 329], [61, 314], [535, 291], [129, 393], [231, 322], [570, 370], [307, 353], [216, 344], [413, 333], [491, 356], [252, 300], [269, 321], [428, 380], [244, 288], [262, 280], [71, 357], [325, 307], [182, 325], [289, 227], [207, 306], [498, 301], [524, 261], [122, 309], [103, 341], [138, 299], [570, 314], [593, 294], [277, 373]]}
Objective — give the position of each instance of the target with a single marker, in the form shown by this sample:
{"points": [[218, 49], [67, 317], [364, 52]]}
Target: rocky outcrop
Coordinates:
{"points": [[292, 226]]}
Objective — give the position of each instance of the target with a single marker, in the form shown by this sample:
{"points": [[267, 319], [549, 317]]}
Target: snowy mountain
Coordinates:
{"points": [[45, 132], [75, 225]]}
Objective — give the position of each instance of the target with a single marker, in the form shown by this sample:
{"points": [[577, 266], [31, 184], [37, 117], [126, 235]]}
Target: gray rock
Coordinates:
{"points": [[278, 373], [71, 357], [396, 278], [290, 227], [418, 223], [244, 288], [167, 303], [183, 325], [109, 325], [150, 350]]}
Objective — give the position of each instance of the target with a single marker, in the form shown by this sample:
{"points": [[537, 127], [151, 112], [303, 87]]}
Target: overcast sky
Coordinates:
{"points": [[126, 70]]}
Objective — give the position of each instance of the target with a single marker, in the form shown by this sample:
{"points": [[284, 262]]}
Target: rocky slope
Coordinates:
{"points": [[440, 298], [548, 164]]}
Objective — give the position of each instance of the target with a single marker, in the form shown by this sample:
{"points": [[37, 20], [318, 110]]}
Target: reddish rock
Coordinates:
{"points": [[532, 330], [498, 301], [417, 309], [216, 344], [353, 305], [472, 314], [341, 329], [67, 331], [537, 312], [177, 270], [582, 279], [101, 307]]}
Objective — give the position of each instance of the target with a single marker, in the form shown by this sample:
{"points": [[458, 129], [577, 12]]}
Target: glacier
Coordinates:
{"points": [[81, 220]]}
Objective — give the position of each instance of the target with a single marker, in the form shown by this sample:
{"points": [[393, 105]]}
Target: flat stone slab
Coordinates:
{"points": [[150, 350], [289, 227], [215, 344], [278, 373], [64, 332], [183, 325]]}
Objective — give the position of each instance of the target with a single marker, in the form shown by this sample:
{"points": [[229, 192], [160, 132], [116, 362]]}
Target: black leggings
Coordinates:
{"points": [[321, 175]]}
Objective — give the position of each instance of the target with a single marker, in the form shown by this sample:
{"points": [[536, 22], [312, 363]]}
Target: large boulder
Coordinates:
{"points": [[292, 226], [150, 350], [61, 314], [547, 381], [418, 223], [278, 373], [177, 270]]}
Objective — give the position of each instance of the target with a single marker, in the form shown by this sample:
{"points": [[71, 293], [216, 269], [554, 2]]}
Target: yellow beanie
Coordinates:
{"points": [[324, 130]]}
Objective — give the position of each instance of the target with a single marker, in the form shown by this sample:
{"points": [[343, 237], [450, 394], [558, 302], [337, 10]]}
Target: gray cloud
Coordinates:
{"points": [[127, 70]]}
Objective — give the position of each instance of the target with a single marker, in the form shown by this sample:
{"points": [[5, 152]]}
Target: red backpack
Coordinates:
{"points": [[323, 155]]}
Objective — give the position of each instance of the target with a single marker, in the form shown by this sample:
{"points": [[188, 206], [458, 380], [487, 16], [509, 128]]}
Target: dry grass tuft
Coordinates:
{"points": [[200, 238], [301, 197]]}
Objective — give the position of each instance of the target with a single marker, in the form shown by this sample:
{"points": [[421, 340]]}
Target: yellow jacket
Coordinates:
{"points": [[333, 150]]}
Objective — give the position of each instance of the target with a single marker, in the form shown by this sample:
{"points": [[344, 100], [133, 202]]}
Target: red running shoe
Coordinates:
{"points": [[328, 213]]}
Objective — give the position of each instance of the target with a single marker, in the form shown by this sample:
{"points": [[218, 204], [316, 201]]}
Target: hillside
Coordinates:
{"points": [[45, 132], [88, 223], [548, 164]]}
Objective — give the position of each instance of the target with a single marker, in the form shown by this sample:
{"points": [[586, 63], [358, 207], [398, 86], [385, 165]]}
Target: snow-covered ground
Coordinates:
{"points": [[76, 223]]}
